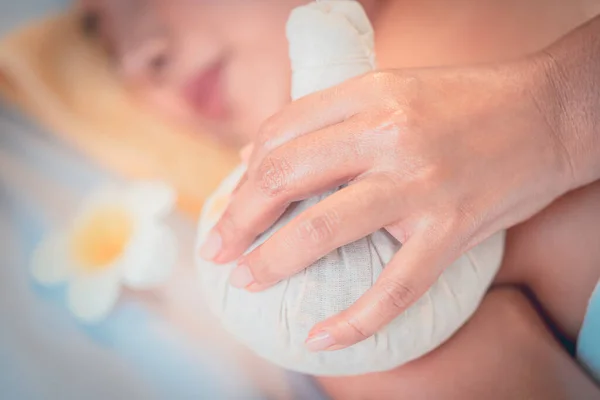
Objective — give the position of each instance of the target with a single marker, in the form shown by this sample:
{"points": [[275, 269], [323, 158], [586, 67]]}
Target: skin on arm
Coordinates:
{"points": [[556, 255]]}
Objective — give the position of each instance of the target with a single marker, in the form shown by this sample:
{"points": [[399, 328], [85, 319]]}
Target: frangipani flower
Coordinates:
{"points": [[117, 238]]}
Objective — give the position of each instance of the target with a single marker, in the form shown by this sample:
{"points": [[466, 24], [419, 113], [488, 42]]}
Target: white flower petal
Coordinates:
{"points": [[51, 261], [151, 199], [92, 297], [150, 257], [108, 193]]}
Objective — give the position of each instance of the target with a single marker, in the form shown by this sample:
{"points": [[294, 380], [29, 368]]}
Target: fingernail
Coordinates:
{"points": [[320, 341], [211, 247], [241, 277]]}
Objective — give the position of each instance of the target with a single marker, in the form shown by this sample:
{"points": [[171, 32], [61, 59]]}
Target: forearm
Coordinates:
{"points": [[572, 66]]}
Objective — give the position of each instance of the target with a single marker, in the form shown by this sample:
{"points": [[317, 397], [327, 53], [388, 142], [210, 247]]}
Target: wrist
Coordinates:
{"points": [[568, 90], [550, 93]]}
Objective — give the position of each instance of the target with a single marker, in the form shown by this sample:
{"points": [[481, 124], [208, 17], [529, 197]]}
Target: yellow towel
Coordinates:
{"points": [[64, 80]]}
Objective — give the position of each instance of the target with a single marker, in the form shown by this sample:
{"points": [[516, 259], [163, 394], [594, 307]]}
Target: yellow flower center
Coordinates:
{"points": [[101, 237]]}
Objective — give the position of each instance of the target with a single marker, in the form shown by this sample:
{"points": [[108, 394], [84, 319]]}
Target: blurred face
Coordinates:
{"points": [[220, 64]]}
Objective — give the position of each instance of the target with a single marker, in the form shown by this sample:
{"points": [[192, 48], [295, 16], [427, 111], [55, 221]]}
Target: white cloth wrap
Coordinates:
{"points": [[330, 42]]}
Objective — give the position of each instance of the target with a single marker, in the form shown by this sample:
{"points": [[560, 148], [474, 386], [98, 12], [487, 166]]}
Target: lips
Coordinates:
{"points": [[204, 92]]}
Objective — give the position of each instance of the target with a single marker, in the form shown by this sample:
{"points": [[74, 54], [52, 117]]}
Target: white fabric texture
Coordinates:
{"points": [[330, 42]]}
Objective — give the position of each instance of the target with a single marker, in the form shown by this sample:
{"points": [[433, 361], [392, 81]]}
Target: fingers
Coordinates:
{"points": [[311, 113], [247, 216], [309, 166], [412, 271], [326, 158], [346, 216]]}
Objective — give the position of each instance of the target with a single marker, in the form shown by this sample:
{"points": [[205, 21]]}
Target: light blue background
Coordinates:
{"points": [[588, 344], [14, 12], [44, 353]]}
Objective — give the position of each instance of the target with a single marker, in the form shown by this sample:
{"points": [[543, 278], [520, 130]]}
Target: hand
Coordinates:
{"points": [[441, 158]]}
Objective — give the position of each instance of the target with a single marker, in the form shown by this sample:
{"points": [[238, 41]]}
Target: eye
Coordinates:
{"points": [[159, 62], [90, 23]]}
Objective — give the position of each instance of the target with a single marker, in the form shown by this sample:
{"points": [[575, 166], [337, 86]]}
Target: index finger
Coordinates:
{"points": [[291, 173]]}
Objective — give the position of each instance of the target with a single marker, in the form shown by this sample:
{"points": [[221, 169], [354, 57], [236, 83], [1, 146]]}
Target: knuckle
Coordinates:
{"points": [[411, 85], [262, 273], [327, 95], [267, 264], [442, 237], [382, 81], [393, 84], [396, 296], [357, 328], [466, 224], [466, 215], [319, 229], [268, 130], [273, 176]]}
